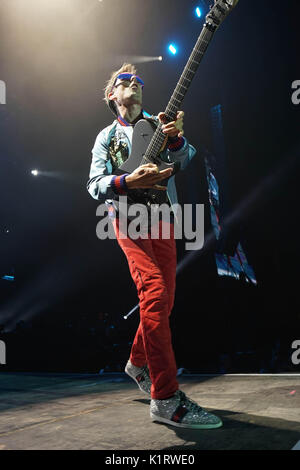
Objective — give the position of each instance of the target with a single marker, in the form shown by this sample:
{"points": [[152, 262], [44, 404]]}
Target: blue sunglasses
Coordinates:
{"points": [[128, 76]]}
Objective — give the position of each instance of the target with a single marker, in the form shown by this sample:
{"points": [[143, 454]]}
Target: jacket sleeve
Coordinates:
{"points": [[179, 150], [102, 184]]}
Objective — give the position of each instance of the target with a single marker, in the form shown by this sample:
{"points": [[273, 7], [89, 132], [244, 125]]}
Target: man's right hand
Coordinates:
{"points": [[147, 176]]}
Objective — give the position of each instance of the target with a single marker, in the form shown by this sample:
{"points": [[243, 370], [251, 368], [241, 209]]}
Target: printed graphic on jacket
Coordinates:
{"points": [[118, 152]]}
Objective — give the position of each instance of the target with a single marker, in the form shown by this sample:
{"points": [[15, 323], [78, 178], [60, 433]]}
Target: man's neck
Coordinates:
{"points": [[131, 113]]}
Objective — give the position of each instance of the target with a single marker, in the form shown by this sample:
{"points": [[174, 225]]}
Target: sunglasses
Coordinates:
{"points": [[126, 79]]}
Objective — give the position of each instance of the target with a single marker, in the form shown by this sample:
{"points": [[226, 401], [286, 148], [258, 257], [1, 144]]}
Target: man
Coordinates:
{"points": [[152, 262]]}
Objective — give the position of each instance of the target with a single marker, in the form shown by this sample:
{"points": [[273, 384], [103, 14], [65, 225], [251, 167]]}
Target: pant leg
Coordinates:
{"points": [[166, 256], [154, 315]]}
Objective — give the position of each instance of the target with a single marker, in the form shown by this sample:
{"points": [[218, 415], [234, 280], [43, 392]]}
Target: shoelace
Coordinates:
{"points": [[145, 370], [190, 404]]}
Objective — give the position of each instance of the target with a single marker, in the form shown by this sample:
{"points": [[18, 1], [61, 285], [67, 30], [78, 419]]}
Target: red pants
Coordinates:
{"points": [[152, 265]]}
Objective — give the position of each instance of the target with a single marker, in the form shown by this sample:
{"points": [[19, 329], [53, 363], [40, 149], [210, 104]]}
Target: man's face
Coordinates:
{"points": [[127, 92]]}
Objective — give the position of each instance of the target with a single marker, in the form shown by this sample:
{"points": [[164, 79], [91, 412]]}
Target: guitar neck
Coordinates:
{"points": [[188, 74], [218, 12], [181, 88]]}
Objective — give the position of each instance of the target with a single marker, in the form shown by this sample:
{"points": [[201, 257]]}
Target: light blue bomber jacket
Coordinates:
{"points": [[102, 182]]}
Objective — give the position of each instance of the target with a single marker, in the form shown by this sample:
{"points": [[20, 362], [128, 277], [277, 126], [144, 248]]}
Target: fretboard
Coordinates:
{"points": [[181, 88]]}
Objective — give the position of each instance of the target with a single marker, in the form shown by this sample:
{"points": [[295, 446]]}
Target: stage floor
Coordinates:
{"points": [[77, 411]]}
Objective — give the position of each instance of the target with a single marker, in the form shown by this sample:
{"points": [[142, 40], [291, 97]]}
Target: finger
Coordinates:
{"points": [[147, 168], [165, 173], [173, 126], [179, 121], [167, 130], [162, 175], [148, 165], [162, 117], [153, 171], [179, 126], [180, 114], [154, 186], [172, 132], [169, 124]]}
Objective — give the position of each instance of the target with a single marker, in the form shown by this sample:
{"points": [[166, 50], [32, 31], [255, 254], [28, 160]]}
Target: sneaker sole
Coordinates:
{"points": [[132, 377], [184, 425]]}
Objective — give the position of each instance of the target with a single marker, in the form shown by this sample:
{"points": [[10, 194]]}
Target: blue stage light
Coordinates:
{"points": [[8, 278], [198, 12], [172, 49]]}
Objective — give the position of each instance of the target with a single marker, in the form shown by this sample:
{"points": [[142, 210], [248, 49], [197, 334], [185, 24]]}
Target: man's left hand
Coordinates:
{"points": [[173, 128]]}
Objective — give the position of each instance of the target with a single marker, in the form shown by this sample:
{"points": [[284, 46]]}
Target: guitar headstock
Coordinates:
{"points": [[218, 12]]}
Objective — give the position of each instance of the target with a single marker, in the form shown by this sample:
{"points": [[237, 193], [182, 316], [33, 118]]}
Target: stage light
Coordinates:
{"points": [[198, 12], [172, 49], [34, 172], [160, 58], [8, 278]]}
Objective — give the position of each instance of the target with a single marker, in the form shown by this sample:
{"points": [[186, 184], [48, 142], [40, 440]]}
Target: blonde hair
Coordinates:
{"points": [[126, 68]]}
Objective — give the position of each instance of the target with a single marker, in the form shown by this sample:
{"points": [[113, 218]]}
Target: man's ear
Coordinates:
{"points": [[110, 96]]}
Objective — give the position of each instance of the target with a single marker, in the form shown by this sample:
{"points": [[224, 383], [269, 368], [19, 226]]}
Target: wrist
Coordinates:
{"points": [[129, 181], [176, 144], [119, 185], [173, 139]]}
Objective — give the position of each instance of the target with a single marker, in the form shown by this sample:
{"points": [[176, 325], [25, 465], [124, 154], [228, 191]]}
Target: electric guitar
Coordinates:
{"points": [[148, 138]]}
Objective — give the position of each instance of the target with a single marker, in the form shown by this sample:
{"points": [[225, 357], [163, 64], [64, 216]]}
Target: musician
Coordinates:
{"points": [[152, 262]]}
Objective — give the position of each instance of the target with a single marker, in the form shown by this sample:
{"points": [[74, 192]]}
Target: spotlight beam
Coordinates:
{"points": [[138, 59], [266, 185], [131, 312]]}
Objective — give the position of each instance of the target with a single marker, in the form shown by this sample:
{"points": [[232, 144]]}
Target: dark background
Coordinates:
{"points": [[64, 310]]}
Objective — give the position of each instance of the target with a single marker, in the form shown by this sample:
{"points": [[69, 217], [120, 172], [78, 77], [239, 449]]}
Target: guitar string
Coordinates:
{"points": [[187, 76], [158, 140]]}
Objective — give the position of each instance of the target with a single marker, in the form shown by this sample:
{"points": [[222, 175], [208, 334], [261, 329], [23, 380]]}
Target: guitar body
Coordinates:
{"points": [[142, 134]]}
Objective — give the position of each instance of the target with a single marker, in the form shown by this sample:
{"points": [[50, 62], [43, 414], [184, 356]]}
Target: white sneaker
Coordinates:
{"points": [[183, 412]]}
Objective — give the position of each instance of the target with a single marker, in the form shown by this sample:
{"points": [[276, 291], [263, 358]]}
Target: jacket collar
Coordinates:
{"points": [[123, 122]]}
